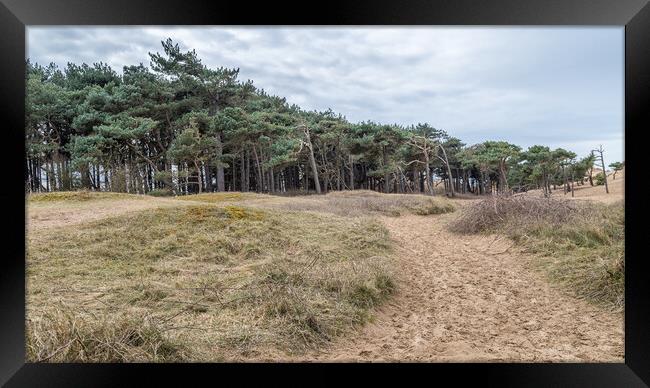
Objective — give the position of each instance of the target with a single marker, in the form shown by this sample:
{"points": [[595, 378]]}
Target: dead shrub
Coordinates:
{"points": [[513, 212], [60, 336]]}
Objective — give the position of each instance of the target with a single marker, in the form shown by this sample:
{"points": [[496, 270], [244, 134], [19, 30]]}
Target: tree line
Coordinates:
{"points": [[180, 127]]}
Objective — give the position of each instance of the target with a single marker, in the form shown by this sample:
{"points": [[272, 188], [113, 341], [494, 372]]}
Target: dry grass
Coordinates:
{"points": [[78, 196], [498, 213], [365, 202], [586, 255], [228, 283], [55, 335], [231, 196], [581, 244]]}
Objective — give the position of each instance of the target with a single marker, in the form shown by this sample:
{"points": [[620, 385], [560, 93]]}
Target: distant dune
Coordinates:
{"points": [[594, 193]]}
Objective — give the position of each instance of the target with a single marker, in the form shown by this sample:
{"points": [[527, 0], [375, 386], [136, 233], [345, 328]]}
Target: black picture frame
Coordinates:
{"points": [[15, 15]]}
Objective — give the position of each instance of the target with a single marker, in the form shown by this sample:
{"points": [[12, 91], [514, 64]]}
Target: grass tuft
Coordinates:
{"points": [[58, 336], [233, 281], [77, 196], [241, 213], [220, 197], [166, 192]]}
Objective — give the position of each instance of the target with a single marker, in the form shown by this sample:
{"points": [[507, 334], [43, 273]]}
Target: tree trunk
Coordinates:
{"points": [[504, 177], [248, 171], [233, 173], [416, 179], [107, 186], [306, 178], [242, 169], [338, 173], [602, 161], [386, 174], [198, 177], [126, 177], [314, 170], [208, 177], [451, 186], [47, 177], [428, 182], [271, 180], [258, 182], [221, 185], [312, 160], [351, 173], [482, 187]]}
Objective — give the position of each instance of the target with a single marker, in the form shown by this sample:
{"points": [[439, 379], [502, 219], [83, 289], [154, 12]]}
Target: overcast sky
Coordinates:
{"points": [[561, 87]]}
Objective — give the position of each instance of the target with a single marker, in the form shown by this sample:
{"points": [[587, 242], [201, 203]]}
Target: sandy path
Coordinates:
{"points": [[473, 299], [460, 298]]}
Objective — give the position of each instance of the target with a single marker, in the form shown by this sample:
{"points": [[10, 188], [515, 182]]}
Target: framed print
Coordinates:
{"points": [[401, 190]]}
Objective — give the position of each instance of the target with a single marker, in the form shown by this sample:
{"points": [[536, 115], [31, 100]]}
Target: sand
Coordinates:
{"points": [[468, 298], [459, 298], [615, 185]]}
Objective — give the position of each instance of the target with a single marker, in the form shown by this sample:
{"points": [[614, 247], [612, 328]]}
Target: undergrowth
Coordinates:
{"points": [[364, 202], [59, 336], [580, 244], [77, 196], [220, 197]]}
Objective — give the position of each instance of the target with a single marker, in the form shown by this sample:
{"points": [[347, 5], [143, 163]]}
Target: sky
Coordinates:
{"points": [[555, 86]]}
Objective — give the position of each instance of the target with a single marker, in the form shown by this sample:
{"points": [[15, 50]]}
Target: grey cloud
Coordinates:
{"points": [[560, 86]]}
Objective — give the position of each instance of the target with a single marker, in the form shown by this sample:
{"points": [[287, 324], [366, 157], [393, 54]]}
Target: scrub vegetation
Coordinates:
{"points": [[202, 282], [580, 244]]}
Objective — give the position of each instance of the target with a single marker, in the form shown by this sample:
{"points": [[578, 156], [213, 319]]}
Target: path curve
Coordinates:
{"points": [[473, 298]]}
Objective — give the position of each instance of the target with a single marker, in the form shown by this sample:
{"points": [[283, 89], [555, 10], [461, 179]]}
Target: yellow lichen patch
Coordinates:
{"points": [[202, 213], [213, 197], [240, 213], [206, 213]]}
